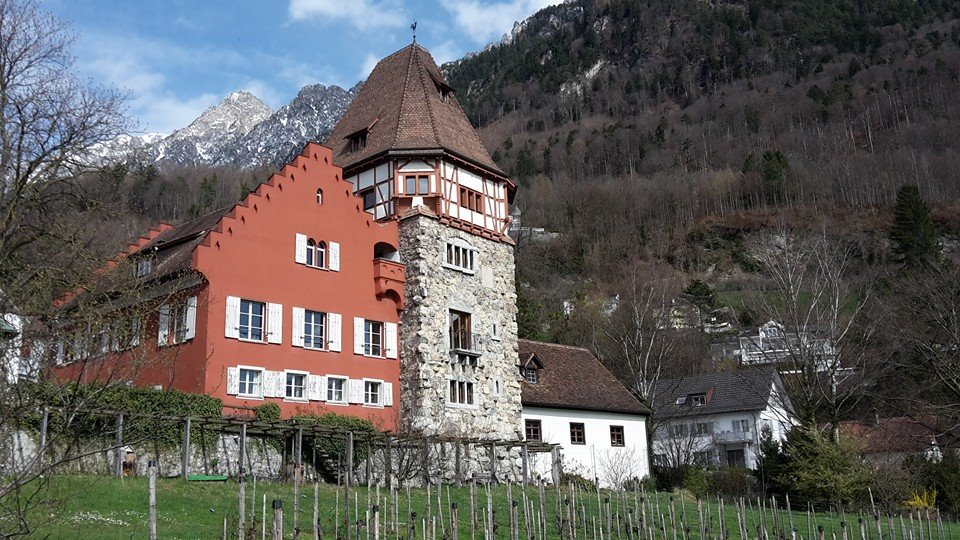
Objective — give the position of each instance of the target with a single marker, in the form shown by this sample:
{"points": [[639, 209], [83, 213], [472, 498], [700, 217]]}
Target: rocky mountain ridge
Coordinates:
{"points": [[242, 131]]}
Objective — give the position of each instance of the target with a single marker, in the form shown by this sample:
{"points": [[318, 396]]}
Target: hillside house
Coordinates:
{"points": [[717, 419], [570, 398]]}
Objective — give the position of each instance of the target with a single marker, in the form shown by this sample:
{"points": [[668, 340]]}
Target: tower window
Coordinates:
{"points": [[471, 200], [416, 184], [461, 392], [319, 196], [459, 256], [369, 199]]}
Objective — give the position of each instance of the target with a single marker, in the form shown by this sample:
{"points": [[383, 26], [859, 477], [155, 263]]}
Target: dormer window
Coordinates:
{"points": [[357, 141], [530, 369], [144, 266], [698, 400], [443, 88]]}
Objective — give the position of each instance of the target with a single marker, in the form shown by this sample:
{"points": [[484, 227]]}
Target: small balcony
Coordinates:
{"points": [[465, 343], [388, 277], [730, 437]]}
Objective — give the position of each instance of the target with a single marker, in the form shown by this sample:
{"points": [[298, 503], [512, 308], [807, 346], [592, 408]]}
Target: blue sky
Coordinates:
{"points": [[177, 57]]}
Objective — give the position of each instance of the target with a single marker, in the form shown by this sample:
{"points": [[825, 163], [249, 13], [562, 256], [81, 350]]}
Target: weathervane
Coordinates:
{"points": [[414, 28]]}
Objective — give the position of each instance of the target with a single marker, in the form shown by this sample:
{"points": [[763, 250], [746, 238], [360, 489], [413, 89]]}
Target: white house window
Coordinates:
{"points": [[460, 256], [336, 389], [372, 393], [144, 266], [741, 426], [578, 433], [295, 385], [373, 338], [616, 436], [703, 428], [314, 323], [461, 392], [251, 320], [251, 382]]}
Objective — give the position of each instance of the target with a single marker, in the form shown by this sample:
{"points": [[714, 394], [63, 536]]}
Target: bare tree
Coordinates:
{"points": [[637, 339], [825, 321], [925, 374]]}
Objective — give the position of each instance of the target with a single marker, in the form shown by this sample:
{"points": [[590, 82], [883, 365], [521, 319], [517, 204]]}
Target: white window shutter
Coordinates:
{"points": [[191, 318], [275, 323], [300, 256], [313, 387], [299, 316], [322, 396], [334, 256], [358, 335], [387, 390], [232, 329], [390, 335], [355, 387], [233, 381], [275, 385], [334, 332], [163, 326]]}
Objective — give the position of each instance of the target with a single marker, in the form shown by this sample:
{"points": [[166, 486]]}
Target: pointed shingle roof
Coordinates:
{"points": [[407, 105]]}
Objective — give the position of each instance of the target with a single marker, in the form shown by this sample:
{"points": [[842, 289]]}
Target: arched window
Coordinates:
{"points": [[310, 248], [319, 196], [321, 257]]}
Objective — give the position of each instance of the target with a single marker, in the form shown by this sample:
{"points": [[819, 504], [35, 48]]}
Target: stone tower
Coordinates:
{"points": [[412, 156]]}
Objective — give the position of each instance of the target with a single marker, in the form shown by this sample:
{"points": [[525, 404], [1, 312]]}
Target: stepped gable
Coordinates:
{"points": [[401, 108], [573, 378]]}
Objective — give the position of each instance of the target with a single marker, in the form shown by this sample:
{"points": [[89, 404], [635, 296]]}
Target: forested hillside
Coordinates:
{"points": [[672, 131]]}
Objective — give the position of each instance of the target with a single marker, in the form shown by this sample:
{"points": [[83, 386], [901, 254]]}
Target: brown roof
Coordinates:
{"points": [[400, 107], [573, 378]]}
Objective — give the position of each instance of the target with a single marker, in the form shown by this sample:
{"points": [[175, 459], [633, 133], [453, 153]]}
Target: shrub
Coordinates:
{"points": [[731, 482], [331, 450], [695, 481]]}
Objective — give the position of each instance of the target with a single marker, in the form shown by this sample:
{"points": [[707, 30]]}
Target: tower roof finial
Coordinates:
{"points": [[414, 28]]}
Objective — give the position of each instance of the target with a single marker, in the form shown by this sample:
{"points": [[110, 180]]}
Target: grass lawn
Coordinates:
{"points": [[102, 507]]}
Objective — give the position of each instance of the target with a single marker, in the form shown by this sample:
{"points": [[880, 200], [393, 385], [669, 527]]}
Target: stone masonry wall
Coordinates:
{"points": [[431, 291]]}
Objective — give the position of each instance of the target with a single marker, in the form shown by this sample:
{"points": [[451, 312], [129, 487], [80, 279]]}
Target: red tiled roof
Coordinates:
{"points": [[400, 108], [573, 378]]}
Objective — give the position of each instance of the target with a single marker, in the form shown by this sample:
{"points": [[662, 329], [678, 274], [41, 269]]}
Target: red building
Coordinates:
{"points": [[290, 295]]}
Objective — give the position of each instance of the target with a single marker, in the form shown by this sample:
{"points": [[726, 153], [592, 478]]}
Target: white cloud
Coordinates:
{"points": [[446, 51], [369, 63], [485, 21], [362, 14], [164, 114]]}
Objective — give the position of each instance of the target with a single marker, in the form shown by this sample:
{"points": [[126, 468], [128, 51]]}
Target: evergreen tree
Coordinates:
{"points": [[700, 294], [913, 236]]}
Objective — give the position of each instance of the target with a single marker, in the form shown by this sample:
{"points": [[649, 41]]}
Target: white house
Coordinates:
{"points": [[19, 360], [569, 398], [718, 419]]}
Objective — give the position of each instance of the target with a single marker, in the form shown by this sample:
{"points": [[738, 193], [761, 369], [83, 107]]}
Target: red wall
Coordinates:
{"points": [[250, 254]]}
